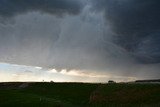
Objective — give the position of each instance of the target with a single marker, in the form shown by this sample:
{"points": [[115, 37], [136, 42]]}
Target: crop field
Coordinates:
{"points": [[45, 94]]}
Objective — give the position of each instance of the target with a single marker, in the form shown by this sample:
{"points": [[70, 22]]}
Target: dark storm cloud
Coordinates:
{"points": [[113, 36], [136, 26], [10, 8]]}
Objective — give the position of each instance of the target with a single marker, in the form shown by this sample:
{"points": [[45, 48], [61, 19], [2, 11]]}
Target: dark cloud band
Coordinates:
{"points": [[10, 8]]}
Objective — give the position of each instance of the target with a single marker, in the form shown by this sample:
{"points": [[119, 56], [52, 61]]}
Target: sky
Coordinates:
{"points": [[79, 40]]}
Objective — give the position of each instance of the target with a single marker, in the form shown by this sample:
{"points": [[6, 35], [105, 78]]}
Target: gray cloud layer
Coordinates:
{"points": [[116, 36]]}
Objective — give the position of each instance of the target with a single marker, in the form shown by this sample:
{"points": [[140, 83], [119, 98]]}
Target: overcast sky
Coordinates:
{"points": [[79, 40]]}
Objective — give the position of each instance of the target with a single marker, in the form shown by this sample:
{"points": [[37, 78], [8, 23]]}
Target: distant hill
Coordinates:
{"points": [[153, 80]]}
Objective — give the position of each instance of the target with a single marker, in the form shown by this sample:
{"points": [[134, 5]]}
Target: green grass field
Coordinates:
{"points": [[79, 95]]}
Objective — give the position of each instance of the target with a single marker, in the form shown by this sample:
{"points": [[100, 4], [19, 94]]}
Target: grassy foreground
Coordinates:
{"points": [[79, 95]]}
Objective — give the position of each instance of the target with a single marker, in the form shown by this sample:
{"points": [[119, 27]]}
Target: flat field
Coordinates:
{"points": [[46, 94]]}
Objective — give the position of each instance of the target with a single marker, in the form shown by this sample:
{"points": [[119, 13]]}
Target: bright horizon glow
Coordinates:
{"points": [[21, 73]]}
